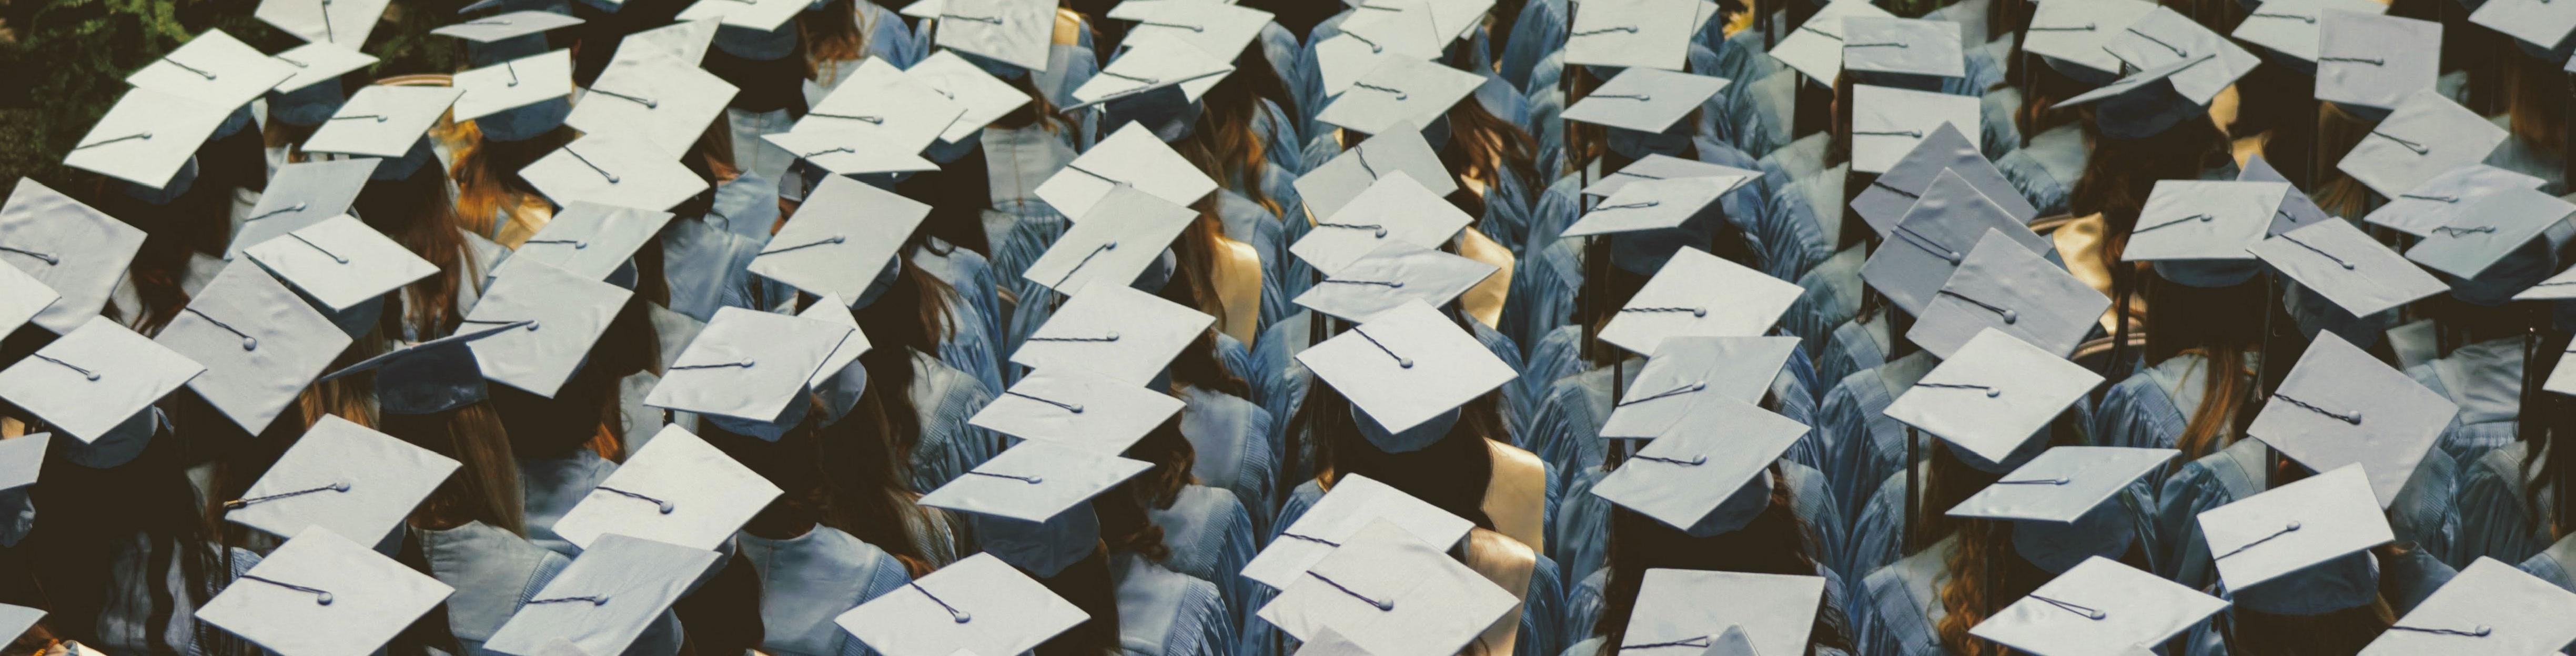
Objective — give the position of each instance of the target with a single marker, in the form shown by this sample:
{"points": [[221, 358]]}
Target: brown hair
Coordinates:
{"points": [[486, 487], [1776, 542], [2223, 325], [1222, 141], [1985, 574], [2336, 192], [1126, 524], [832, 36], [487, 174]]}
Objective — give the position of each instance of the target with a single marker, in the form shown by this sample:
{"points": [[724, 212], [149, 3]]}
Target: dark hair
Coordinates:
{"points": [[1776, 542], [1090, 586], [416, 211], [1126, 524], [1985, 574], [91, 514], [1451, 474], [2223, 325], [912, 315], [1222, 142], [831, 36], [487, 175]]}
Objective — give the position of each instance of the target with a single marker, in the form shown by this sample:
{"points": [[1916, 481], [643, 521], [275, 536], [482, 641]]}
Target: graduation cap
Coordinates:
{"points": [[1709, 473], [311, 95], [2004, 286], [213, 69], [72, 248], [301, 194], [677, 489], [1654, 205], [1661, 167], [1391, 594], [977, 605], [517, 99], [2099, 603], [2446, 197], [1888, 122], [2424, 136], [147, 137], [2485, 239], [1645, 99], [1127, 234], [2373, 61], [2337, 261], [1113, 330], [340, 262], [1816, 48], [495, 39], [751, 368], [1991, 396], [382, 121], [2070, 35], [2152, 100], [261, 345], [844, 234], [565, 313], [1632, 34], [22, 298], [1394, 208], [1687, 371], [753, 30], [1353, 503], [1408, 367], [429, 377], [838, 383], [2060, 503], [1931, 240], [1711, 610], [2489, 609], [2296, 208], [606, 599], [1336, 183], [668, 106], [1031, 502], [983, 97], [1151, 66], [2301, 548], [1216, 28], [1075, 407], [1946, 149], [2342, 406], [592, 241], [1909, 52], [1697, 294], [345, 23], [612, 169], [844, 153], [94, 378], [1396, 273], [2164, 37], [880, 105], [683, 43], [16, 620], [2291, 27], [1130, 158], [1400, 91], [2536, 24], [1014, 32], [2197, 231], [343, 477], [323, 595]]}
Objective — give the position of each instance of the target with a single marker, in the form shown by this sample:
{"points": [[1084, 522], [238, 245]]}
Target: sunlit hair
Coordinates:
{"points": [[487, 174], [834, 37]]}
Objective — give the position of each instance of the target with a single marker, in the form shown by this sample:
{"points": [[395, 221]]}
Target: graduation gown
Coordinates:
{"points": [[1167, 613], [808, 580], [1211, 537], [494, 573], [1232, 438]]}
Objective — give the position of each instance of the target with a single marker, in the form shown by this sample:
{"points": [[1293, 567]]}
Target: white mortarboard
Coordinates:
{"points": [[1034, 481], [2293, 526], [677, 489], [319, 62], [2098, 607], [2425, 136], [1394, 208], [1015, 32], [214, 69], [343, 477], [840, 380], [1116, 331], [301, 194], [840, 238], [1126, 233], [1151, 65], [1339, 181], [1075, 407], [2198, 231], [1390, 594], [590, 240], [2164, 37], [1816, 49], [1945, 149], [1903, 46], [566, 314], [16, 620], [2317, 416], [1686, 477], [1887, 122], [2446, 197], [1407, 366], [1394, 274], [340, 262], [322, 595], [2003, 286], [74, 249], [2349, 268], [2489, 609], [22, 299], [2074, 32], [1653, 205], [1131, 157], [754, 15], [1343, 58], [2492, 228], [429, 377], [147, 136], [512, 25], [1662, 167], [1325, 641], [2062, 484], [2375, 61], [382, 121], [1687, 371], [1631, 34], [1934, 237], [1692, 607], [94, 378], [2292, 27], [611, 169], [607, 598], [982, 96], [1219, 29], [1645, 99], [1990, 396], [514, 84], [1697, 294], [881, 105], [2557, 287], [2149, 101], [2535, 22], [259, 343], [683, 43], [748, 365], [979, 605], [345, 23], [667, 106], [848, 153], [1436, 21], [1399, 92], [2296, 208], [1353, 503]]}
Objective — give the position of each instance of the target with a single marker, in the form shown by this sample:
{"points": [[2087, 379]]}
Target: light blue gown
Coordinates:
{"points": [[552, 487], [945, 398], [1901, 603], [1856, 345], [2045, 171], [1167, 613], [2557, 564], [808, 580], [1998, 134], [1797, 160], [2151, 408], [494, 573], [2497, 517], [705, 265], [1211, 538], [1232, 438], [2421, 513], [976, 345], [1830, 296], [1868, 474], [1539, 31], [1581, 529], [1016, 161], [1800, 224], [2485, 380]]}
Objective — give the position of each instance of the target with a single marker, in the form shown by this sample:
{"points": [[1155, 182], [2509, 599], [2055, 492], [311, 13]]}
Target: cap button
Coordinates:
{"points": [[1992, 393], [964, 617], [323, 598], [667, 507], [340, 487], [1402, 362], [249, 344], [2011, 317], [1699, 312]]}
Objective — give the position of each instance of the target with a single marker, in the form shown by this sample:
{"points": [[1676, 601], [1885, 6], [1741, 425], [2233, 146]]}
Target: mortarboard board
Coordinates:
{"points": [[1888, 122], [1150, 66], [1914, 52], [1990, 396], [1075, 407], [261, 345], [2197, 232], [677, 489], [1396, 273], [2098, 607], [301, 194], [147, 137], [340, 262], [2337, 261], [1407, 366], [2424, 136], [1946, 149], [2164, 37], [882, 106], [683, 43], [16, 620], [592, 241], [2317, 416], [382, 121], [2535, 23], [2059, 503], [749, 365], [1015, 32], [429, 377], [1390, 594], [1127, 232], [1353, 503], [2003, 286], [1631, 34], [1217, 28], [345, 23], [1645, 99], [322, 595], [1399, 92], [1685, 371], [1133, 158], [343, 477], [316, 64], [1709, 473], [2490, 232], [1030, 504], [2281, 536], [606, 598], [1116, 331], [984, 98], [22, 299], [494, 39], [2373, 61], [2071, 34], [1816, 48], [94, 378], [668, 106], [611, 169], [2489, 609], [2296, 208], [2446, 197], [1687, 607], [1337, 182], [565, 314], [844, 234], [839, 381], [843, 153], [1654, 205], [1395, 207], [1933, 238], [2292, 28], [1660, 167], [214, 69], [1696, 294], [979, 605], [517, 99], [72, 248]]}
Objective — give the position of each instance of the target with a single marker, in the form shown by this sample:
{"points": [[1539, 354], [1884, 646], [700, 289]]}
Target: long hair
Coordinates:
{"points": [[2337, 193], [1985, 573], [1776, 542], [1193, 285], [1451, 474], [2223, 325], [485, 488], [94, 514], [487, 174], [416, 212], [1126, 523], [832, 37], [871, 450], [1222, 141]]}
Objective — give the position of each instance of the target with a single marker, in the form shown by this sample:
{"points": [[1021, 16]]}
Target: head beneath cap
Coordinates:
{"points": [[308, 106]]}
